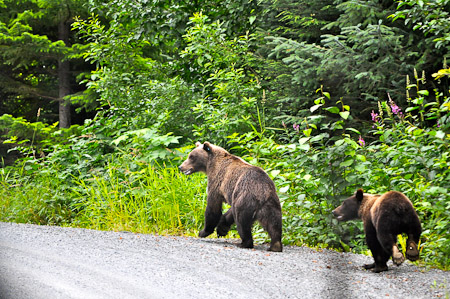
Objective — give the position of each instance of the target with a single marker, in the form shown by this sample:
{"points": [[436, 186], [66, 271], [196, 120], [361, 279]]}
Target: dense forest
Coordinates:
{"points": [[101, 101]]}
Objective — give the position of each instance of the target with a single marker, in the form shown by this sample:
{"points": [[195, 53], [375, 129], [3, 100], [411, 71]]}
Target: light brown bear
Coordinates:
{"points": [[246, 188], [384, 217]]}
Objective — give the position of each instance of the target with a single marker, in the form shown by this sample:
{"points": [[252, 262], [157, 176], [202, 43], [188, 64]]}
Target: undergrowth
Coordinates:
{"points": [[129, 181], [153, 200]]}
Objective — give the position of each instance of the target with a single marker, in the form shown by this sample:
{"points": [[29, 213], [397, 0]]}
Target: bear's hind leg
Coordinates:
{"points": [[270, 219], [225, 223], [388, 242], [415, 230], [244, 222], [412, 250], [379, 254], [397, 256]]}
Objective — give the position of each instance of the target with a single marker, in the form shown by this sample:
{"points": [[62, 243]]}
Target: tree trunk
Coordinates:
{"points": [[64, 77]]}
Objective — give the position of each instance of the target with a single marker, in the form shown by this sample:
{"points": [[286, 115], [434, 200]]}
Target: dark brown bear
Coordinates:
{"points": [[246, 188], [384, 217]]}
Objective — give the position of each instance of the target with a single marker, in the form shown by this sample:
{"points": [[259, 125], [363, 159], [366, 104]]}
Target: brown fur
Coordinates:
{"points": [[246, 188], [384, 217]]}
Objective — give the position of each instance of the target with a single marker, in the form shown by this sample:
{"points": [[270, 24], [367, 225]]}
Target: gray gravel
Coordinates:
{"points": [[54, 262]]}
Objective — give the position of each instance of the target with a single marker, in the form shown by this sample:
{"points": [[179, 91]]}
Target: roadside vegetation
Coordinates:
{"points": [[326, 96]]}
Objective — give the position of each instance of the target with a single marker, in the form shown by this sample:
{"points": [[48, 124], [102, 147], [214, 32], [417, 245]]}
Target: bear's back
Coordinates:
{"points": [[239, 176], [394, 210]]}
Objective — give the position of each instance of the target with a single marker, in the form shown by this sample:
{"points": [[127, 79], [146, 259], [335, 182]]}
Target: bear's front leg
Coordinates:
{"points": [[213, 213]]}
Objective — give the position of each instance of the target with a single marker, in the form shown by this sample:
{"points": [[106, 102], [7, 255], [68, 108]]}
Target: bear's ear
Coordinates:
{"points": [[197, 144], [207, 146], [359, 194]]}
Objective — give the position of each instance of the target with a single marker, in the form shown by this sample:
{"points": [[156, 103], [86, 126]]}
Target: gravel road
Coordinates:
{"points": [[54, 262]]}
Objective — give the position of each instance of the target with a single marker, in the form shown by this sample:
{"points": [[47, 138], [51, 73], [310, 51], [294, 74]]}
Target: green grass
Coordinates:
{"points": [[33, 199], [145, 199], [153, 200]]}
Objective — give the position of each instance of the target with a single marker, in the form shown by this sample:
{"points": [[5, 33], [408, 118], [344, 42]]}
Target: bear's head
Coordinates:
{"points": [[349, 209], [197, 159]]}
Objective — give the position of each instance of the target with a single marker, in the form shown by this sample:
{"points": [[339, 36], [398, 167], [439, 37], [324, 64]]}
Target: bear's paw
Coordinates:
{"points": [[222, 230], [203, 234], [398, 258], [412, 253]]}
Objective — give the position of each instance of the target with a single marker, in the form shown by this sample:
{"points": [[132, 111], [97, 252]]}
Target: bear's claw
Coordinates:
{"points": [[379, 269], [246, 245], [374, 268], [276, 247], [397, 256]]}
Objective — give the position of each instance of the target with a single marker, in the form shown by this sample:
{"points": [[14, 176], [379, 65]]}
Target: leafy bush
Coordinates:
{"points": [[29, 138], [30, 193], [327, 161], [229, 93]]}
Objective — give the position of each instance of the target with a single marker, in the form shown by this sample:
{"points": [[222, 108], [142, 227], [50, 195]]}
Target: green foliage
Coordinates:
{"points": [[124, 78], [151, 200], [56, 189], [351, 61], [32, 48], [142, 71], [298, 20], [230, 90], [32, 139], [324, 164], [431, 17], [364, 13], [356, 46], [165, 72], [30, 193], [121, 196]]}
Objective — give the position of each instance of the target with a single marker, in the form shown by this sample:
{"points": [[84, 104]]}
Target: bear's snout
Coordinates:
{"points": [[183, 169], [336, 214]]}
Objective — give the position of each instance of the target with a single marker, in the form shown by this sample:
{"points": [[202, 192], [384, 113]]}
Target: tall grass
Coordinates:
{"points": [[153, 200], [40, 199]]}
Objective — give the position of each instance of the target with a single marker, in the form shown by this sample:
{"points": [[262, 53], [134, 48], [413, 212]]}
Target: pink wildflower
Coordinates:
{"points": [[361, 141], [395, 109], [374, 116]]}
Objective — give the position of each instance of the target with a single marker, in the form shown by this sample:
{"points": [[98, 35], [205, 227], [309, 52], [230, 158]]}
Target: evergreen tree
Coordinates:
{"points": [[353, 48], [36, 46]]}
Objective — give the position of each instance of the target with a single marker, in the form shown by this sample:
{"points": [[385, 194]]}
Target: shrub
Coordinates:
{"points": [[326, 161]]}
